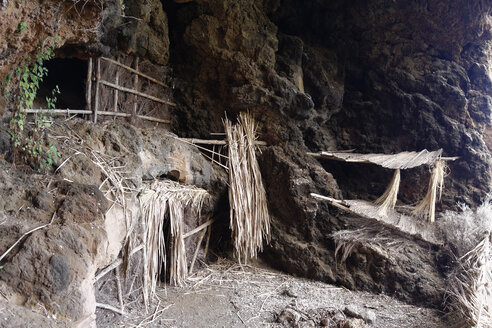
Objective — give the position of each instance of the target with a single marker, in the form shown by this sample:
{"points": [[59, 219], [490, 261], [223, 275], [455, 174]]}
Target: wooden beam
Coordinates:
{"points": [[57, 111], [135, 71], [81, 111], [112, 85], [117, 81], [215, 142], [88, 91], [96, 98], [135, 86]]}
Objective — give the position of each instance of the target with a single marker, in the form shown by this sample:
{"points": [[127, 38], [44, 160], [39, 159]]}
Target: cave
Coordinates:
{"points": [[70, 75], [368, 77]]}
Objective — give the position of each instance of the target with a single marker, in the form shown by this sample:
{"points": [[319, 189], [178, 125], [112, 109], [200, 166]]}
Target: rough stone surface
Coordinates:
{"points": [[54, 268], [375, 76]]}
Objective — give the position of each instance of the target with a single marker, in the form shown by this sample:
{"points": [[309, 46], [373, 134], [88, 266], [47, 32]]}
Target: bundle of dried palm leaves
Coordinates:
{"points": [[427, 207], [388, 199], [163, 205], [250, 219], [469, 297]]}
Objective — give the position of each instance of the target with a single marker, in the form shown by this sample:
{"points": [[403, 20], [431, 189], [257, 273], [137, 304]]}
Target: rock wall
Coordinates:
{"points": [[376, 76]]}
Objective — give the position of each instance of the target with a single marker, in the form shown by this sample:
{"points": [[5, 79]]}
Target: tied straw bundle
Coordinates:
{"points": [[163, 205], [250, 220]]}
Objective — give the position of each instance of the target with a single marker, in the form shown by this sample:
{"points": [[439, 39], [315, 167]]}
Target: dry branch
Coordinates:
{"points": [[26, 234]]}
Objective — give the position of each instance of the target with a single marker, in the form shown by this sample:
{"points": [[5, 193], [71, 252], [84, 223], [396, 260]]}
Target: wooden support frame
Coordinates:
{"points": [[144, 95], [94, 107], [101, 113]]}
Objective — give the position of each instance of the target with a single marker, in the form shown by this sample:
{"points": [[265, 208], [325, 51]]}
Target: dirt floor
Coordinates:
{"points": [[225, 294]]}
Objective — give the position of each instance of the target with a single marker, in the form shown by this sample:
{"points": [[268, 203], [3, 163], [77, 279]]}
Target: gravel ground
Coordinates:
{"points": [[228, 295]]}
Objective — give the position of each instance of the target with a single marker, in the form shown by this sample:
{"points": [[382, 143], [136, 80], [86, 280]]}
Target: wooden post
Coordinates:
{"points": [[96, 98], [117, 81], [135, 86], [88, 90]]}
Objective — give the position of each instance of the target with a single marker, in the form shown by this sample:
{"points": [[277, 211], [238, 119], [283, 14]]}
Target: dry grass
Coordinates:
{"points": [[163, 204], [469, 297], [388, 199], [347, 240], [469, 294], [427, 207], [250, 219]]}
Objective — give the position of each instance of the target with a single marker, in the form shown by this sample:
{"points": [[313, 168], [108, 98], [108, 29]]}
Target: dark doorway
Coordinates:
{"points": [[70, 75]]}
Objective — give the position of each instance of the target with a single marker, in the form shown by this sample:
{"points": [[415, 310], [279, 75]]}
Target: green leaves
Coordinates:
{"points": [[29, 76]]}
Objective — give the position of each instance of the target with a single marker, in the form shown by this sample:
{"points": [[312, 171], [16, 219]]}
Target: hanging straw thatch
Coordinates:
{"points": [[469, 297], [427, 207], [250, 220], [388, 199], [162, 205]]}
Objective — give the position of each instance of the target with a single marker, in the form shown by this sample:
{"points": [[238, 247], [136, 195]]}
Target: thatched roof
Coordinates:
{"points": [[404, 160]]}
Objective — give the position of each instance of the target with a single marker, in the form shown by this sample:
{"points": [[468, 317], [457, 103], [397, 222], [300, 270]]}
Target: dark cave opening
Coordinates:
{"points": [[70, 74]]}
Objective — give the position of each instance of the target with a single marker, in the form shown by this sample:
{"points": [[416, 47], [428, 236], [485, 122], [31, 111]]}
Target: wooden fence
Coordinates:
{"points": [[94, 110]]}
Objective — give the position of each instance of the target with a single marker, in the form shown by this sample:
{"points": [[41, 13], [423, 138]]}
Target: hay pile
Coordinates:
{"points": [[469, 294], [469, 297], [250, 220], [163, 206]]}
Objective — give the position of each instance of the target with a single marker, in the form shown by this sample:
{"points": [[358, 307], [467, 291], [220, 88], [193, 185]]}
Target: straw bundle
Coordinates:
{"points": [[162, 206], [427, 207], [250, 220], [388, 199], [469, 297]]}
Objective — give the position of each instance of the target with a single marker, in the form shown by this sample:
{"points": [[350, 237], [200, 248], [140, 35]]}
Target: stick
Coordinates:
{"points": [[98, 82], [196, 251], [110, 308], [117, 81], [118, 284], [215, 142], [197, 229], [57, 111], [116, 264], [88, 93], [80, 111], [136, 72], [114, 86], [148, 118], [25, 234], [209, 229], [135, 86]]}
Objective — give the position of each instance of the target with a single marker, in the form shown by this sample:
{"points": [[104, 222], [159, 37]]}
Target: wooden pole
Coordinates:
{"points": [[82, 111], [109, 84], [215, 142], [57, 111], [117, 81], [135, 86], [98, 82], [88, 90], [136, 72]]}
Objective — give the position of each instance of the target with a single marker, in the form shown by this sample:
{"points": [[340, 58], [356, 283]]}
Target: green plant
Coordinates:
{"points": [[21, 27], [32, 144]]}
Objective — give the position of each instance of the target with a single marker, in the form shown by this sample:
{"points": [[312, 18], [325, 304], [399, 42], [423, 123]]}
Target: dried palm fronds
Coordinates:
{"points": [[469, 297], [427, 207], [347, 240], [250, 219], [163, 204], [388, 199]]}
